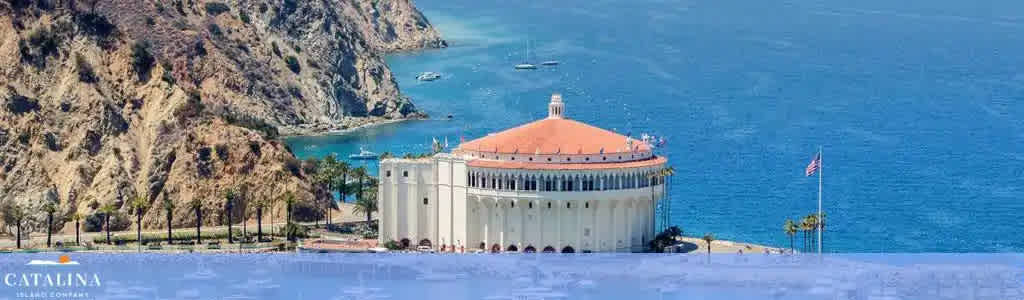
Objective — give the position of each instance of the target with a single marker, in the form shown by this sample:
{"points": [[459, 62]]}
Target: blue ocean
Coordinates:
{"points": [[916, 104]]}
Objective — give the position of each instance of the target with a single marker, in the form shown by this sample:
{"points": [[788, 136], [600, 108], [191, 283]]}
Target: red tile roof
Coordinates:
{"points": [[553, 136], [500, 164]]}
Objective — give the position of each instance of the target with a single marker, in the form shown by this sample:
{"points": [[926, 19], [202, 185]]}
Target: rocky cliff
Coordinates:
{"points": [[107, 100]]}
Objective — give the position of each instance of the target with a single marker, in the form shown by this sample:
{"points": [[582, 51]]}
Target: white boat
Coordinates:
{"points": [[526, 58], [525, 66], [428, 76], [365, 155], [550, 63]]}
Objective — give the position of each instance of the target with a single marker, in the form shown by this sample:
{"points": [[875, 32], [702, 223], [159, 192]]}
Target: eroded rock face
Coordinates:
{"points": [[104, 101]]}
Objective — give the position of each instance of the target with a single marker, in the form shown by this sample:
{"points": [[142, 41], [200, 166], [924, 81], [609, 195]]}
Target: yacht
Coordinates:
{"points": [[526, 58], [364, 155], [550, 63], [428, 76], [525, 66]]}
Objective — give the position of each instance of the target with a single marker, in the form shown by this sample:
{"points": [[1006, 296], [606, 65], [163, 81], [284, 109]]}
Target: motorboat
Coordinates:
{"points": [[428, 76], [364, 155], [550, 63]]}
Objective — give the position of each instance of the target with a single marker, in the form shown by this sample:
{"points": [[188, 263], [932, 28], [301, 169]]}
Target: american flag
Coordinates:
{"points": [[814, 165]]}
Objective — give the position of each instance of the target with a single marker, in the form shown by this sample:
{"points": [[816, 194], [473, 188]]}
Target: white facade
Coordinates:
{"points": [[520, 202], [429, 199]]}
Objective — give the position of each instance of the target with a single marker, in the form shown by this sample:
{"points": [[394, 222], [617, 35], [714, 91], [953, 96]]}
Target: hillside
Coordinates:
{"points": [[107, 100]]}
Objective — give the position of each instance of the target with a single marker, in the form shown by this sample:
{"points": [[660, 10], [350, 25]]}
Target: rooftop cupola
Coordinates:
{"points": [[556, 108]]}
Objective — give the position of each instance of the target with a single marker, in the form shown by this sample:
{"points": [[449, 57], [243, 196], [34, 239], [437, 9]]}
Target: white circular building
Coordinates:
{"points": [[552, 185]]}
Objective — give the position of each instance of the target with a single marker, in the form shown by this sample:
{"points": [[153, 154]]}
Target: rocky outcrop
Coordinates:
{"points": [[107, 100]]}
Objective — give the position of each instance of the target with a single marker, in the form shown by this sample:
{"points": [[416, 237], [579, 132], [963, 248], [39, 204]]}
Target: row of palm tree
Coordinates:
{"points": [[333, 175], [808, 226]]}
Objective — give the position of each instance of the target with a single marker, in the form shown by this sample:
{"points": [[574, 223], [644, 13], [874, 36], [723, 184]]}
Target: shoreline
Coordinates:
{"points": [[338, 129]]}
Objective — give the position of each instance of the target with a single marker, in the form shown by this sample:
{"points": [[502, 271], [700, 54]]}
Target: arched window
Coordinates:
{"points": [[586, 204], [531, 205], [549, 205], [425, 201], [513, 204], [568, 205], [405, 173]]}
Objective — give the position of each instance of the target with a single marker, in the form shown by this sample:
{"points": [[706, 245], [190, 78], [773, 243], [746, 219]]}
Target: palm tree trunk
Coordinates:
{"points": [[259, 225], [49, 229], [19, 235], [138, 229], [199, 224], [169, 238], [791, 249], [106, 218], [343, 187], [78, 241], [230, 238]]}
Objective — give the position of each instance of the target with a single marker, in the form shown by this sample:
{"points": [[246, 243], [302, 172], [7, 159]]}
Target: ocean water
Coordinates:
{"points": [[509, 277], [917, 105]]}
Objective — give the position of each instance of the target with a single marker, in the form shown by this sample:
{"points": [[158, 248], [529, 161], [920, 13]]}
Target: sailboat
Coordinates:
{"points": [[526, 65]]}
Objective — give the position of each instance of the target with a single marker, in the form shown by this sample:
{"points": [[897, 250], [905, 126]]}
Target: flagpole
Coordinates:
{"points": [[821, 169]]}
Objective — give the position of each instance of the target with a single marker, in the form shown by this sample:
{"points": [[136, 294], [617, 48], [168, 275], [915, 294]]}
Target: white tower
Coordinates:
{"points": [[556, 108]]}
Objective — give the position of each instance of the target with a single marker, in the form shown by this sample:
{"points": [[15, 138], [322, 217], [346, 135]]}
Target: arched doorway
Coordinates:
{"points": [[568, 249], [426, 242], [512, 248], [530, 249], [405, 243], [495, 248], [482, 246], [549, 249]]}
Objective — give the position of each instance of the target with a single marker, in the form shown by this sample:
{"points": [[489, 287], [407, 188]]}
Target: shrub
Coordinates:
{"points": [[277, 51], [392, 245], [293, 64], [41, 44], [215, 30], [222, 151], [19, 104], [95, 25], [168, 75], [85, 72], [294, 166], [142, 60], [192, 107], [297, 49], [216, 8], [244, 16], [295, 91]]}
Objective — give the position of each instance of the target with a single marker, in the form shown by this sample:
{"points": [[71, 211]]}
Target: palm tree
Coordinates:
{"points": [[139, 205], [367, 204], [197, 205], [667, 172], [708, 238], [77, 217], [229, 197], [50, 207], [289, 200], [790, 229], [360, 174], [325, 176], [14, 213], [812, 224], [805, 227], [168, 206], [107, 210], [650, 180], [260, 205]]}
